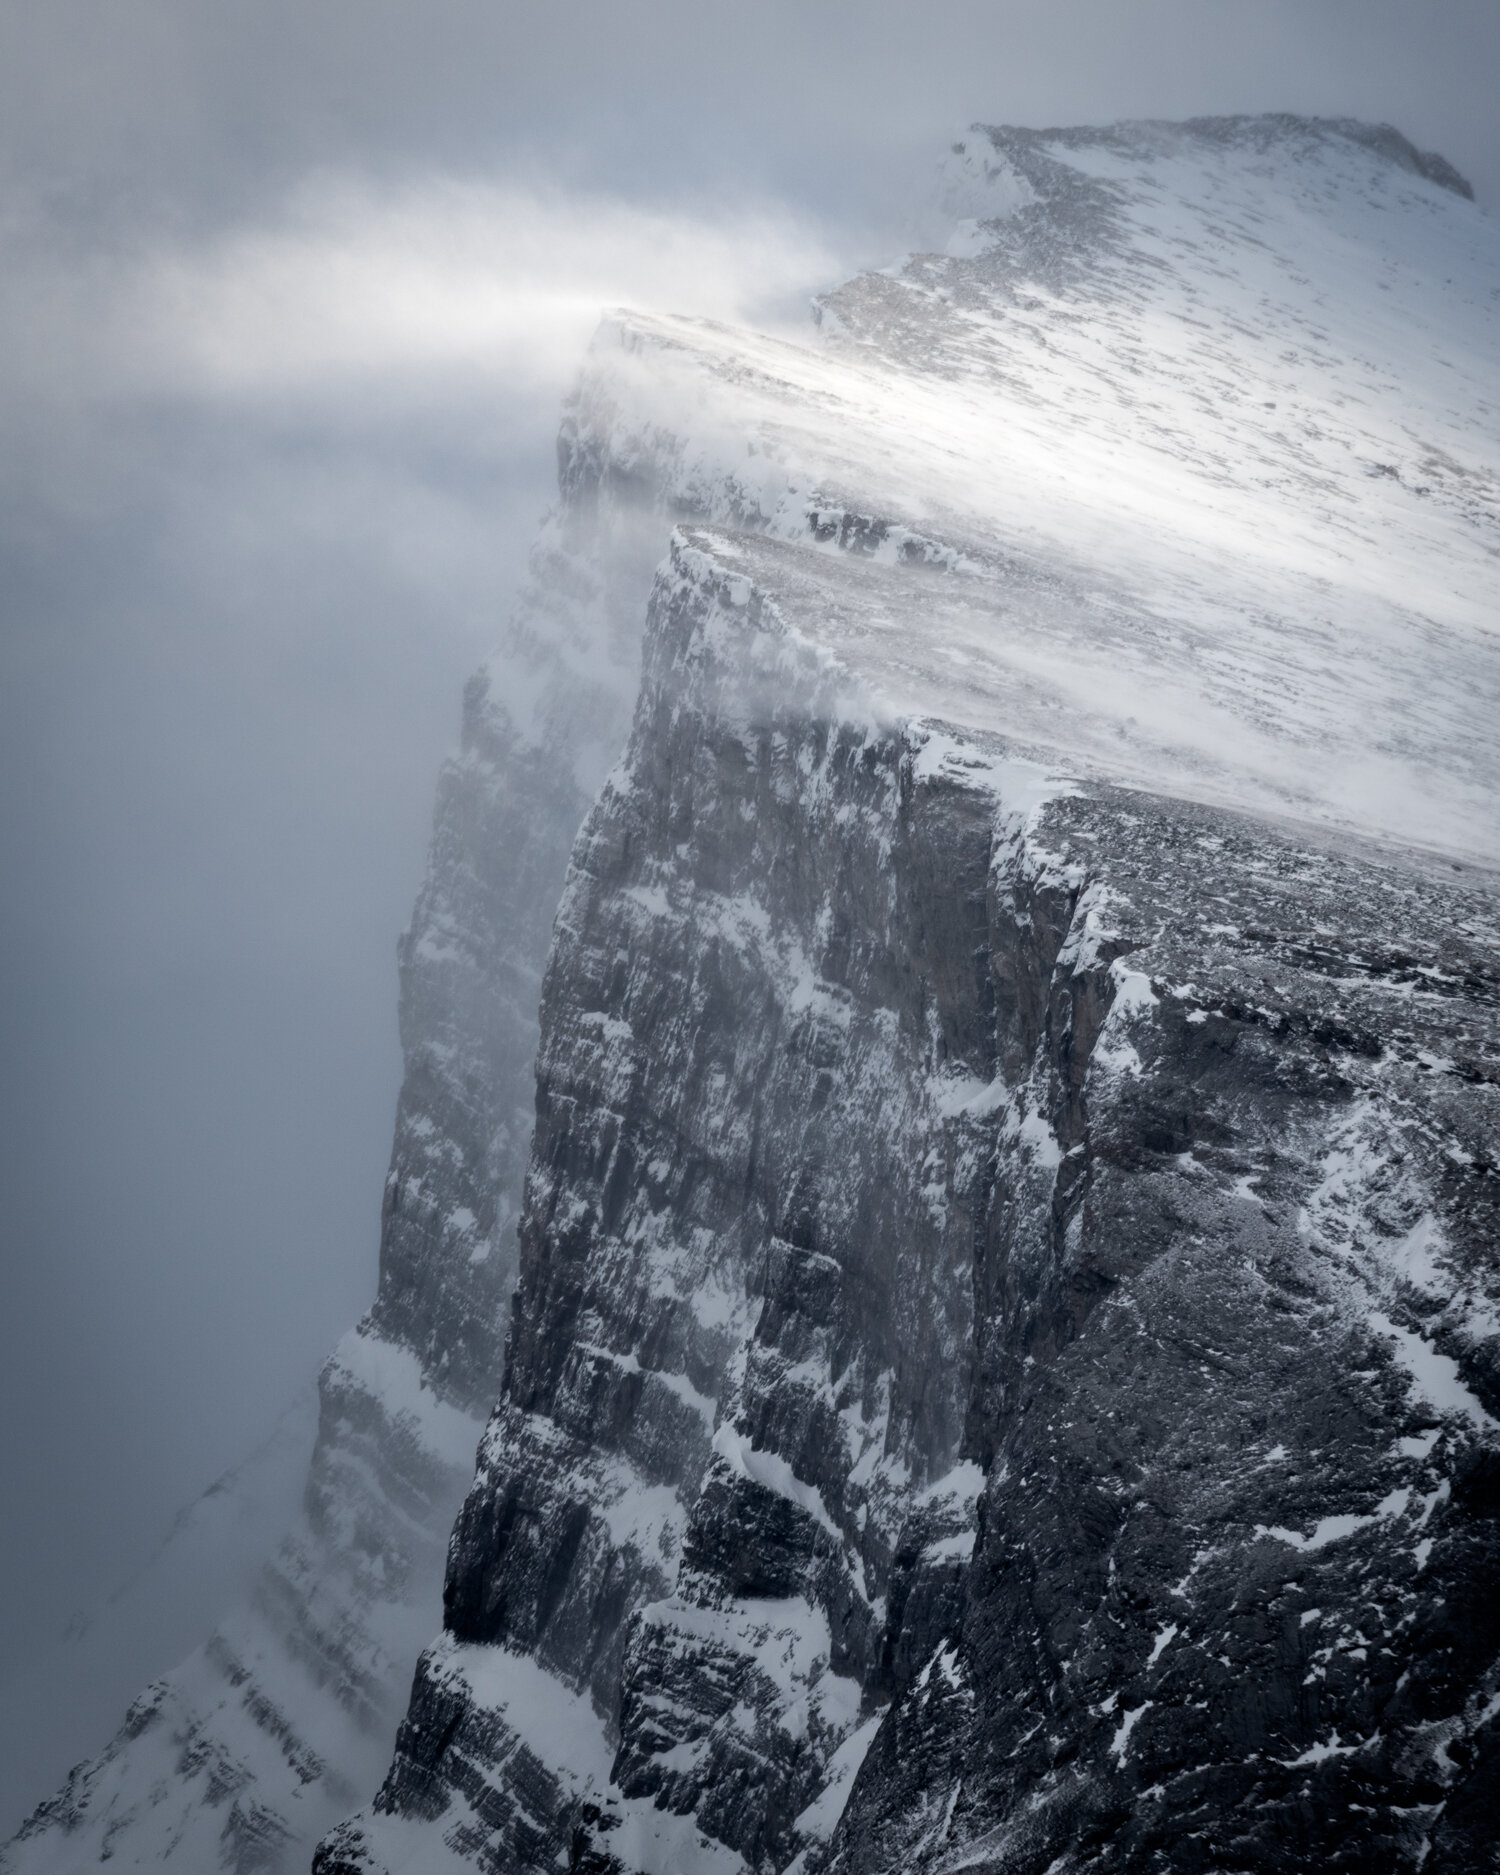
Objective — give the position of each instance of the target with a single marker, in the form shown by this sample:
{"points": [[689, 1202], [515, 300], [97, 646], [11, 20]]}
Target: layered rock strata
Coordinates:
{"points": [[1004, 1372], [1004, 1368]]}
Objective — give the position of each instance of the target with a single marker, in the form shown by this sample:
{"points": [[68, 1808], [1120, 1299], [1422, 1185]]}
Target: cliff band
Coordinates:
{"points": [[1005, 1369]]}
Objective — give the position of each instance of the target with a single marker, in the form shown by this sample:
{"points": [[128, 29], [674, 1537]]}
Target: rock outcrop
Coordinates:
{"points": [[1005, 1370], [1006, 1366]]}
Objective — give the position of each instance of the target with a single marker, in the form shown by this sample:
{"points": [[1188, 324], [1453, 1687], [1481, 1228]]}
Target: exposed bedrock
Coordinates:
{"points": [[1005, 1366], [1004, 1369]]}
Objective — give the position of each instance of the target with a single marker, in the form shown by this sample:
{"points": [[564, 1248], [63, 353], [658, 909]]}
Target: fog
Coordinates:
{"points": [[290, 297]]}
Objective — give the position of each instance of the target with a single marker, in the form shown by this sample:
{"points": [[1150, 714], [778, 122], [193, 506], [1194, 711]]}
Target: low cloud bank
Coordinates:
{"points": [[345, 281]]}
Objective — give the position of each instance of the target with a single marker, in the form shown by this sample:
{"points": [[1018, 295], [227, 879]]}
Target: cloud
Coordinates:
{"points": [[346, 282]]}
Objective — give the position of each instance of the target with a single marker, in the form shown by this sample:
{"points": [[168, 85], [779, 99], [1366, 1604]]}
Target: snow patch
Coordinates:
{"points": [[1435, 1376], [821, 1817], [393, 1375], [1120, 1744], [771, 1471], [1164, 1639]]}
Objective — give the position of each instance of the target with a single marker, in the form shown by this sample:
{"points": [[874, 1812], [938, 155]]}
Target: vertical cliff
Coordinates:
{"points": [[1005, 1368], [1004, 1365]]}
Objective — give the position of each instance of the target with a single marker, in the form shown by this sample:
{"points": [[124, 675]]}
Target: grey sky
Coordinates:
{"points": [[209, 107], [290, 293]]}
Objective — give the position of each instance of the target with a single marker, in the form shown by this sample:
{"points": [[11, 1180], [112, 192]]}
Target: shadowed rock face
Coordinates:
{"points": [[1004, 1371], [1003, 1292]]}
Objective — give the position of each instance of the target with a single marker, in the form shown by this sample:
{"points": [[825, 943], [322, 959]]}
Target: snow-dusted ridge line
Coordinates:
{"points": [[1228, 537]]}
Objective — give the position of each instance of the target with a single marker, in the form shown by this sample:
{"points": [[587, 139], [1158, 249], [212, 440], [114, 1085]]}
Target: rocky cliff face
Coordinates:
{"points": [[1005, 1371], [1004, 1367]]}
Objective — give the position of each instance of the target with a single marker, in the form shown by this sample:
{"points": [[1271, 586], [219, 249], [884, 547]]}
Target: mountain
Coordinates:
{"points": [[1005, 1367], [1003, 1372], [72, 1692]]}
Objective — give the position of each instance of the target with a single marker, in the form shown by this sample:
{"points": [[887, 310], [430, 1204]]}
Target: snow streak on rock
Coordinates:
{"points": [[1005, 1369]]}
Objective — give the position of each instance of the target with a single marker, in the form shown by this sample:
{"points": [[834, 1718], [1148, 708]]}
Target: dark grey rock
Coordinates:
{"points": [[1074, 1152]]}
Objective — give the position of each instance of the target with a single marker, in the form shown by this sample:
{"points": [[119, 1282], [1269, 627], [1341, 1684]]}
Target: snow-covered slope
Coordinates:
{"points": [[1004, 1372], [1203, 423], [71, 1695]]}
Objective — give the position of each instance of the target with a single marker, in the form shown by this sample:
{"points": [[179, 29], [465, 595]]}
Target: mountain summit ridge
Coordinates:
{"points": [[1263, 130]]}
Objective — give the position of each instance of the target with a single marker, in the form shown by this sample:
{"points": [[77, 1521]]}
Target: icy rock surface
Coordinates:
{"points": [[1006, 1366]]}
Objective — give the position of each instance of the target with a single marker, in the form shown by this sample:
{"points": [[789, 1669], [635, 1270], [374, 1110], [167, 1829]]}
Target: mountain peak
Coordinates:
{"points": [[1268, 133]]}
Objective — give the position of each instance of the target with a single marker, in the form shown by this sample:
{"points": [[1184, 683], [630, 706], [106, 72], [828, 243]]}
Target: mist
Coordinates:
{"points": [[291, 297]]}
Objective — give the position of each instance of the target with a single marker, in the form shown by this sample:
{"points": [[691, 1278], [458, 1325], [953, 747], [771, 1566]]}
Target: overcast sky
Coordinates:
{"points": [[289, 295]]}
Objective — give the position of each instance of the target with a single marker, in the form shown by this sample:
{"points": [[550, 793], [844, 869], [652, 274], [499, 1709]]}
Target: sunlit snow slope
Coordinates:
{"points": [[1202, 423]]}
